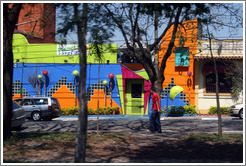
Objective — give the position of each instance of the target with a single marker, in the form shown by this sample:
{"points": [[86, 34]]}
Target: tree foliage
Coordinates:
{"points": [[135, 22], [86, 19], [214, 20]]}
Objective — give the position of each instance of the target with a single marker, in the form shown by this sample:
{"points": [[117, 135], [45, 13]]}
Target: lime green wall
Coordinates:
{"points": [[120, 87], [48, 53], [109, 53], [143, 74]]}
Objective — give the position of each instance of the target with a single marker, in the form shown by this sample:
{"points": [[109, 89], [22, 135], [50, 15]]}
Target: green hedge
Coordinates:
{"points": [[180, 110], [102, 111], [105, 111], [70, 111], [224, 110]]}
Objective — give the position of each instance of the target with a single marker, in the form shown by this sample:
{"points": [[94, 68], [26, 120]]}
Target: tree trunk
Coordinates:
{"points": [[161, 78], [216, 86], [156, 62], [10, 18], [80, 150]]}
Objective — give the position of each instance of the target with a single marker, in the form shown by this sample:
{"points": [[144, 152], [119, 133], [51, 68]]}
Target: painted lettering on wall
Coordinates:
{"points": [[63, 49]]}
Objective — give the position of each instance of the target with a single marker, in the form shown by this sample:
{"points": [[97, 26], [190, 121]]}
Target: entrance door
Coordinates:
{"points": [[134, 97]]}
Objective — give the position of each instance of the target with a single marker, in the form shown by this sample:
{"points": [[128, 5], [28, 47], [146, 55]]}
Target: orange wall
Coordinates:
{"points": [[180, 73], [67, 99], [16, 96]]}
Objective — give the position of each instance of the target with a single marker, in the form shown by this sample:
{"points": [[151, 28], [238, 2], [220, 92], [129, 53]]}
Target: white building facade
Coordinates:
{"points": [[229, 59]]}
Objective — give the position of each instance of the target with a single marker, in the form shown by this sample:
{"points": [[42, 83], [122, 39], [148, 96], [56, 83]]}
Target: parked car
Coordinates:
{"points": [[37, 108], [18, 117], [237, 110]]}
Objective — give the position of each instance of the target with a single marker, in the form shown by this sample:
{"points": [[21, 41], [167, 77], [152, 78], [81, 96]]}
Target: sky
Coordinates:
{"points": [[222, 33]]}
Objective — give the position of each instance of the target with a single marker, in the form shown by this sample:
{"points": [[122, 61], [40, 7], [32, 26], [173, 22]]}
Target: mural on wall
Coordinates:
{"points": [[18, 91], [127, 99], [25, 52], [167, 89], [130, 89]]}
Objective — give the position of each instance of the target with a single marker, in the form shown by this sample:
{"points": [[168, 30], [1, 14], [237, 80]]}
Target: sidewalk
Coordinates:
{"points": [[146, 117]]}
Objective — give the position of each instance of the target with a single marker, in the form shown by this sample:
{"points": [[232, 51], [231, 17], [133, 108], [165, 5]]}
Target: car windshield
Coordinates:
{"points": [[18, 101], [15, 105]]}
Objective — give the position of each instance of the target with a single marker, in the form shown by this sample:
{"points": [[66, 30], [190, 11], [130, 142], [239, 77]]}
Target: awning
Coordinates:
{"points": [[209, 68]]}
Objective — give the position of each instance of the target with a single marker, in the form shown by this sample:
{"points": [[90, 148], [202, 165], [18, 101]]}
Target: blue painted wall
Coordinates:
{"points": [[57, 71], [167, 102]]}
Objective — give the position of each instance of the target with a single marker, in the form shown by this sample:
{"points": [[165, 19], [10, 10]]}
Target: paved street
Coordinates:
{"points": [[171, 126], [136, 126]]}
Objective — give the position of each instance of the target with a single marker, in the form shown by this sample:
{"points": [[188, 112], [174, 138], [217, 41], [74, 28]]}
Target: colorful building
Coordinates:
{"points": [[181, 60], [128, 89], [130, 86]]}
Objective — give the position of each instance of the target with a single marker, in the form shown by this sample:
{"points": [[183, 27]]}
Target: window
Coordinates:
{"points": [[136, 90], [41, 101], [182, 56], [126, 56], [27, 102], [54, 102], [225, 83]]}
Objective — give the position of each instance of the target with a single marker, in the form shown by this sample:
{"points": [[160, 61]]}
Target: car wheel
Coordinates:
{"points": [[36, 116], [241, 114]]}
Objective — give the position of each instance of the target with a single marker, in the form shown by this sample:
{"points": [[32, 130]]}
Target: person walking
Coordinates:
{"points": [[155, 124]]}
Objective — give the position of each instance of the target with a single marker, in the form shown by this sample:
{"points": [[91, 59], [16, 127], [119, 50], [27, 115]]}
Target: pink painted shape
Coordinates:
{"points": [[129, 74], [147, 87]]}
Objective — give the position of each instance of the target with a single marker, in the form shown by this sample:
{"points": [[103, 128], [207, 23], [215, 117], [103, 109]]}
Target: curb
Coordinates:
{"points": [[144, 117]]}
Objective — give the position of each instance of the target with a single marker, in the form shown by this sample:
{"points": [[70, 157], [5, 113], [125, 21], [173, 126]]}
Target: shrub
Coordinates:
{"points": [[180, 110], [102, 111], [70, 111], [190, 109], [224, 110]]}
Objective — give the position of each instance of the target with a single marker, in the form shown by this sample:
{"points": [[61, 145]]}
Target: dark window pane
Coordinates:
{"points": [[225, 83], [136, 90]]}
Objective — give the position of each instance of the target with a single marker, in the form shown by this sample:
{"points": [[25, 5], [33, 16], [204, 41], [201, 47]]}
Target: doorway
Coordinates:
{"points": [[134, 97]]}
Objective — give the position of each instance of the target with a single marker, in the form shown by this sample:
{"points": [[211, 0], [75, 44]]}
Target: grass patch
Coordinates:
{"points": [[105, 137], [12, 161], [58, 137], [17, 137], [39, 147], [214, 138]]}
